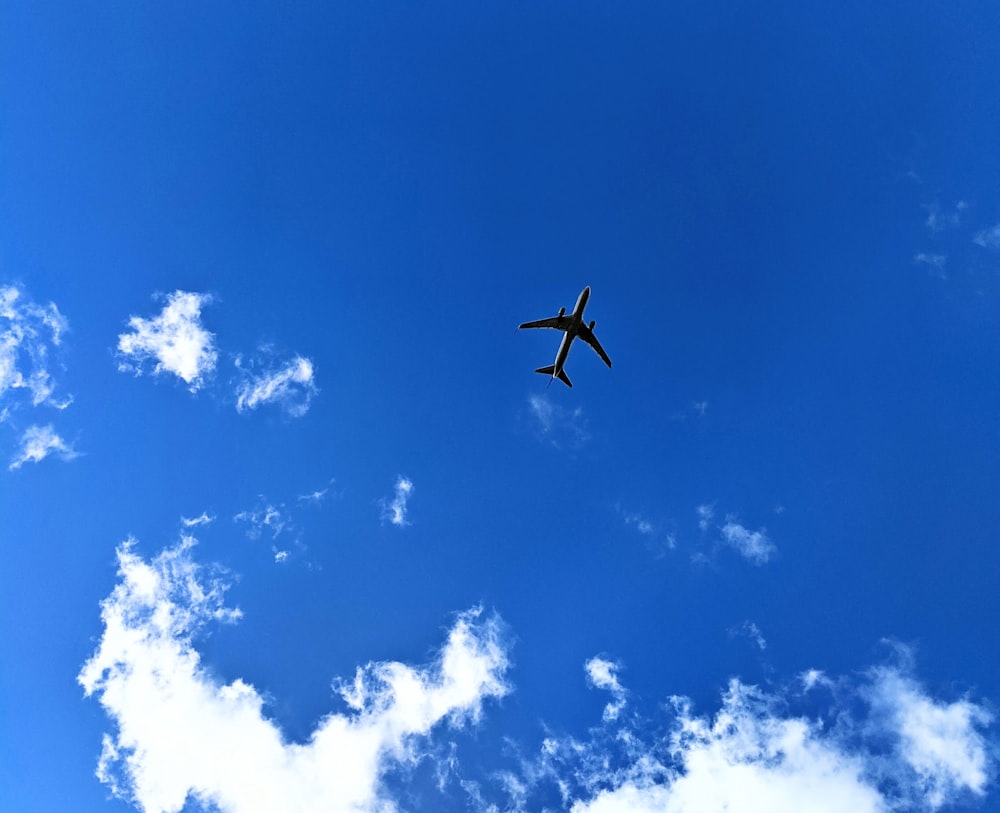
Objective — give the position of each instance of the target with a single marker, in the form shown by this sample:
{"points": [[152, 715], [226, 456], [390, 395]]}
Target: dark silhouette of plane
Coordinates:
{"points": [[572, 326]]}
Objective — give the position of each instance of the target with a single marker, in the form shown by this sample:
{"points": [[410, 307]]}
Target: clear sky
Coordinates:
{"points": [[289, 523]]}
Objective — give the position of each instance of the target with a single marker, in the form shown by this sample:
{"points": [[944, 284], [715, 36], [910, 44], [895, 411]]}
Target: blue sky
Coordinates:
{"points": [[290, 523]]}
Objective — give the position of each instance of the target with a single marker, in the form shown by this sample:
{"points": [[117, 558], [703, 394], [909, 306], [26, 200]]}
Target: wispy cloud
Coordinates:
{"points": [[562, 428], [37, 443], [317, 497], [748, 629], [706, 513], [175, 340], [603, 674], [988, 238], [182, 734], [873, 742], [939, 219], [192, 522], [264, 517], [656, 538], [935, 263], [289, 385], [394, 509], [28, 334], [890, 746], [754, 546]]}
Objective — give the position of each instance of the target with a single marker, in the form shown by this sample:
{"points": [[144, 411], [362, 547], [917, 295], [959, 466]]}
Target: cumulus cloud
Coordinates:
{"points": [[28, 333], [182, 734], [939, 742], [37, 443], [881, 746], [175, 340], [754, 546], [603, 674], [562, 428], [289, 386], [394, 510]]}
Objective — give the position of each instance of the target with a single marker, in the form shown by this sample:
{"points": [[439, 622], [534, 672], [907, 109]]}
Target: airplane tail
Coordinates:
{"points": [[550, 370]]}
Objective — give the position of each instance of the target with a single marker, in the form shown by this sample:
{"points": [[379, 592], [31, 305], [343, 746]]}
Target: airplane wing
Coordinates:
{"points": [[558, 322], [588, 336]]}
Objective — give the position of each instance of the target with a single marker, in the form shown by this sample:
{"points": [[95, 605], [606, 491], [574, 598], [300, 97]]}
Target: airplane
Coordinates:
{"points": [[572, 326]]}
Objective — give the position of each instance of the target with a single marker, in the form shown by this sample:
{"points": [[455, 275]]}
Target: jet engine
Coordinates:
{"points": [[562, 311], [592, 323]]}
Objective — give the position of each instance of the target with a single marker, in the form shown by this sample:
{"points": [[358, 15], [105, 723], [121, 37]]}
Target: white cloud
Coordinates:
{"points": [[175, 339], [192, 522], [394, 510], [180, 733], [289, 385], [935, 262], [908, 752], [754, 546], [264, 517], [938, 741], [642, 525], [554, 424], [988, 238], [749, 629], [603, 674], [28, 332], [657, 540], [37, 443], [706, 513], [315, 497], [938, 220]]}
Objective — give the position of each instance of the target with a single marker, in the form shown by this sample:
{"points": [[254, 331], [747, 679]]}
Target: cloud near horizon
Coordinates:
{"points": [[908, 752], [181, 733], [871, 744], [175, 340]]}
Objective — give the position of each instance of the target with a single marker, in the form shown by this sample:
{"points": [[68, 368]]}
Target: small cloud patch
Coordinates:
{"points": [[394, 509], [175, 340], [289, 386], [37, 443]]}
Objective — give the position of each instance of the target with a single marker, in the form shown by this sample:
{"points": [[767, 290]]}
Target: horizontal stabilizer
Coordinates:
{"points": [[550, 370]]}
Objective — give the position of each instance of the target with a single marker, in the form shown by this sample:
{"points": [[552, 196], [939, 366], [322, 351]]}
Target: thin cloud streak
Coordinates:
{"points": [[290, 386], [175, 340]]}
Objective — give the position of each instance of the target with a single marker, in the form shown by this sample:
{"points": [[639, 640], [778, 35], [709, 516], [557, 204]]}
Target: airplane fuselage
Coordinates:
{"points": [[567, 340], [572, 327]]}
